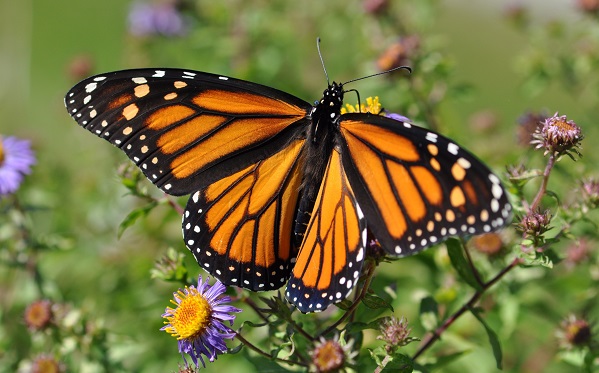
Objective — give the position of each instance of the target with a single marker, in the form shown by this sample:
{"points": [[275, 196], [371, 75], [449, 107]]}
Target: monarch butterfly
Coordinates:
{"points": [[281, 190]]}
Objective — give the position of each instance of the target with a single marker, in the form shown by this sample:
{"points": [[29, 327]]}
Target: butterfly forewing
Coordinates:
{"points": [[187, 129], [331, 255], [240, 228], [417, 187]]}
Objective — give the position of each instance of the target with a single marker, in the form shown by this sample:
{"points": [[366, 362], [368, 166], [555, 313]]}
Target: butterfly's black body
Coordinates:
{"points": [[321, 135], [281, 190]]}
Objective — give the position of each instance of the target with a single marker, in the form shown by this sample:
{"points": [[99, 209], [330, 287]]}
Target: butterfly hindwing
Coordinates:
{"points": [[417, 187], [187, 129], [240, 228], [332, 252]]}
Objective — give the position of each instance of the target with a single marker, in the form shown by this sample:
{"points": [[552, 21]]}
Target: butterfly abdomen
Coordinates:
{"points": [[320, 140]]}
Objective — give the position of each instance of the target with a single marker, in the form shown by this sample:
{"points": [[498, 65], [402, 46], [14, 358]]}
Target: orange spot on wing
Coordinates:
{"points": [[167, 116], [244, 103], [470, 192], [458, 171], [130, 111], [141, 90], [456, 197], [120, 101], [429, 185]]}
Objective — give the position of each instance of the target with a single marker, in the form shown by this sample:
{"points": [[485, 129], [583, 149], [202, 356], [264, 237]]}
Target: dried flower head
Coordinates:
{"points": [[396, 333], [375, 6], [400, 53], [575, 332], [332, 355], [46, 364], [198, 320], [589, 6], [578, 252], [38, 315], [488, 243], [534, 224], [558, 136], [590, 192]]}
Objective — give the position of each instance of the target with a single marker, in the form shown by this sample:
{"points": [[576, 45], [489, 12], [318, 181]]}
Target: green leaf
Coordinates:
{"points": [[493, 339], [375, 302], [399, 363], [429, 313], [134, 215], [443, 361], [358, 326], [458, 260]]}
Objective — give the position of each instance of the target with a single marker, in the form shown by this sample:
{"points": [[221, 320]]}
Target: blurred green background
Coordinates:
{"points": [[487, 67]]}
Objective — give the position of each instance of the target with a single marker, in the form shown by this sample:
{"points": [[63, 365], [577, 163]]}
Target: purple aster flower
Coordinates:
{"points": [[398, 117], [198, 320], [162, 18], [16, 159]]}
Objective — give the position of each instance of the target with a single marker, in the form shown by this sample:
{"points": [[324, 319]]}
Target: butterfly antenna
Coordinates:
{"points": [[321, 60], [379, 73]]}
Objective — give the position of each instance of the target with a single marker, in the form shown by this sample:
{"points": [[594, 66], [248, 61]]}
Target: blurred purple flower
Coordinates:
{"points": [[156, 19], [16, 159], [398, 117]]}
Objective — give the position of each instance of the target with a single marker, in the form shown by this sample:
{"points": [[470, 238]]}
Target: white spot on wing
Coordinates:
{"points": [[432, 137], [139, 80], [453, 148], [90, 87]]}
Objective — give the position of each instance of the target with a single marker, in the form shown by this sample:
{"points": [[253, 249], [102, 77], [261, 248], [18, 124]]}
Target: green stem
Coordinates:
{"points": [[256, 349], [356, 303], [436, 335], [537, 201]]}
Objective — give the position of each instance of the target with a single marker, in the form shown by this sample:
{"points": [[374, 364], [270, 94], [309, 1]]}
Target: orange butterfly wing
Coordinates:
{"points": [[332, 252], [240, 228], [417, 187], [184, 129]]}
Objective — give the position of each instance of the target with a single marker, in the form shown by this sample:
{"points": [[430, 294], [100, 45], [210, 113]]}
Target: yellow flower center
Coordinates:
{"points": [[191, 317], [329, 357], [564, 125]]}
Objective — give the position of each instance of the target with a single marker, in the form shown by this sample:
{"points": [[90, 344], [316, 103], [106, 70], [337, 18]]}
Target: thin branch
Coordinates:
{"points": [[436, 335], [475, 272], [543, 188], [256, 349], [356, 303], [173, 204]]}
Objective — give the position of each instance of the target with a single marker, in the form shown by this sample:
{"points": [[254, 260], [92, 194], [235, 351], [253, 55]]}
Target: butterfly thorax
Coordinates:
{"points": [[320, 140]]}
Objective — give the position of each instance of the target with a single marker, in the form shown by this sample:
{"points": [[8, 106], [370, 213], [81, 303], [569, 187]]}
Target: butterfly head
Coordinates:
{"points": [[329, 106]]}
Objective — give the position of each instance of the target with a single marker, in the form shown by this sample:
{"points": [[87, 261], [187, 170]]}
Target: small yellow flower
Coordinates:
{"points": [[372, 106]]}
